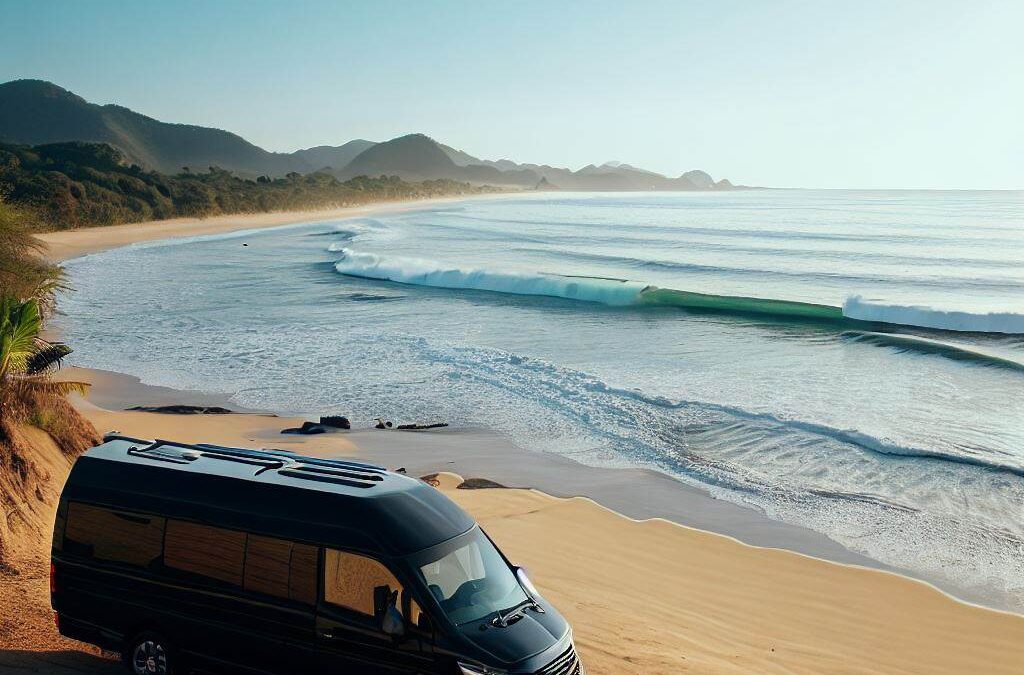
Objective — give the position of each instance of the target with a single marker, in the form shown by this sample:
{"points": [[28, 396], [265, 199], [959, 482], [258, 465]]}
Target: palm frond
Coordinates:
{"points": [[28, 386], [65, 387], [20, 323], [47, 357]]}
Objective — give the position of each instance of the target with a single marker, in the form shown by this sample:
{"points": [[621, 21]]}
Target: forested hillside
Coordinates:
{"points": [[84, 184]]}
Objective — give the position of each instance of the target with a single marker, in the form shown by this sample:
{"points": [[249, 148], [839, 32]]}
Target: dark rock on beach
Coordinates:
{"points": [[478, 484], [181, 409], [307, 429], [336, 421]]}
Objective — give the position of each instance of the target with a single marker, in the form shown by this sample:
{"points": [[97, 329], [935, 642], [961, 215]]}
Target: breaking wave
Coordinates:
{"points": [[615, 292], [624, 292], [858, 308]]}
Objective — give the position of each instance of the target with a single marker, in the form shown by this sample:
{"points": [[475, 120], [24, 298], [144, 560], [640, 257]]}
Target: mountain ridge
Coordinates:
{"points": [[37, 112]]}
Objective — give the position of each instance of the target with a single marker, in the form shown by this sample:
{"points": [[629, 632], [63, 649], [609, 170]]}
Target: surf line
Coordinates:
{"points": [[855, 312]]}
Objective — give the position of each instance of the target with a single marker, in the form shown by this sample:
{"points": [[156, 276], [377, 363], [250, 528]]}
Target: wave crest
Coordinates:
{"points": [[623, 292], [860, 309], [421, 272]]}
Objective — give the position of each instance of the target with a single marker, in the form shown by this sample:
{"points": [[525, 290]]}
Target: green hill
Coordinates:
{"points": [[414, 156], [333, 157], [34, 112], [419, 157]]}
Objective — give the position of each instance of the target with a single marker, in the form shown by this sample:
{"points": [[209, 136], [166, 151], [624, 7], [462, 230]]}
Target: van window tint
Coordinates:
{"points": [[116, 536], [302, 580], [266, 565], [357, 583], [281, 568], [473, 581], [204, 550]]}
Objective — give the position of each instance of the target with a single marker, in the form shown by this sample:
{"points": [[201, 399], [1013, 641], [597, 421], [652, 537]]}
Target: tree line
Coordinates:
{"points": [[75, 184]]}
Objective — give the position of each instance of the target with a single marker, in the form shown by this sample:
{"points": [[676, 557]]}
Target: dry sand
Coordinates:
{"points": [[643, 597]]}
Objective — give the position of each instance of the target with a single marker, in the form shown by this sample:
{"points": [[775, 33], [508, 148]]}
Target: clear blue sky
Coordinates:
{"points": [[783, 93]]}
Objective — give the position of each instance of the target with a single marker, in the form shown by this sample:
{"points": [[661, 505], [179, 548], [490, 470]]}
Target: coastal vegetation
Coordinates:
{"points": [[31, 399], [77, 184], [28, 392], [24, 272]]}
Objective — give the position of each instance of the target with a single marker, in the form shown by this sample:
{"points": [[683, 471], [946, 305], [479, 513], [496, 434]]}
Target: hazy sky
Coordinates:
{"points": [[811, 94]]}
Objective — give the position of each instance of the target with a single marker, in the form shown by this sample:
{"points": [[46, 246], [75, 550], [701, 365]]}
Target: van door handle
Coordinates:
{"points": [[329, 634]]}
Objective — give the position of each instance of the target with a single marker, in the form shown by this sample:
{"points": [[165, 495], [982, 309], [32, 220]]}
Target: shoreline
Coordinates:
{"points": [[482, 453], [503, 461], [490, 455], [596, 500], [63, 245]]}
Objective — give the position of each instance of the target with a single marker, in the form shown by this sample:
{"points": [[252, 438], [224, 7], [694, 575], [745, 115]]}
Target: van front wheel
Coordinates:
{"points": [[149, 654]]}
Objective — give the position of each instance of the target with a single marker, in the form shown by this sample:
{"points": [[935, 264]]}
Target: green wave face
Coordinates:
{"points": [[728, 304]]}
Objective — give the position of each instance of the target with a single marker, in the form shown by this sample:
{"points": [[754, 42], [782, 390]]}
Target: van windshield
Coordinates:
{"points": [[473, 581]]}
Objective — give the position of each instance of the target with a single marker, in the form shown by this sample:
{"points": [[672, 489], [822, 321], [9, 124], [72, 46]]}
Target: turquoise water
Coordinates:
{"points": [[847, 361]]}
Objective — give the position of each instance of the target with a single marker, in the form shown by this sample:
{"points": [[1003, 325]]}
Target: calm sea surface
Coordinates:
{"points": [[734, 340]]}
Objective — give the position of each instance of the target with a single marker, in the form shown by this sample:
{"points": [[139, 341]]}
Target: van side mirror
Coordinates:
{"points": [[524, 581]]}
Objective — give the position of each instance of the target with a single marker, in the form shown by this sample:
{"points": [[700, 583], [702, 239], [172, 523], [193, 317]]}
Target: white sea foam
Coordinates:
{"points": [[857, 307], [422, 272]]}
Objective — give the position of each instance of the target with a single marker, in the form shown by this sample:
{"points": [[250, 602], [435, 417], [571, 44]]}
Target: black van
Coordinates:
{"points": [[225, 559]]}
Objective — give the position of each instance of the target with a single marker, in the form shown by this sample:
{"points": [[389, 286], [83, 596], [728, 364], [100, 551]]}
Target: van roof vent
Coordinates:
{"points": [[352, 477], [338, 471], [163, 454], [336, 477]]}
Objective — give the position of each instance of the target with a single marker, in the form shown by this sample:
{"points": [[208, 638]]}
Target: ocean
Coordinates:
{"points": [[851, 362]]}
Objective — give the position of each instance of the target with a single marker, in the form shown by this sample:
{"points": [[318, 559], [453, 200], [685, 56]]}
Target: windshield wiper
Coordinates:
{"points": [[505, 615]]}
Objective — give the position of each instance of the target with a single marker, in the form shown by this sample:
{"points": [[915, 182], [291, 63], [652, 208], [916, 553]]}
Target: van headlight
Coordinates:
{"points": [[473, 669]]}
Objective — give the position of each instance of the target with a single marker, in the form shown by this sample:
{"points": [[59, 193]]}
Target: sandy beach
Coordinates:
{"points": [[645, 594], [66, 244]]}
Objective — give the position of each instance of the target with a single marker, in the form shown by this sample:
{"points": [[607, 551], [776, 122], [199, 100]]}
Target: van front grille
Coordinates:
{"points": [[567, 663]]}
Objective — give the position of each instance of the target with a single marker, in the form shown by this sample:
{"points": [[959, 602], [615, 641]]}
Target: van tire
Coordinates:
{"points": [[149, 653]]}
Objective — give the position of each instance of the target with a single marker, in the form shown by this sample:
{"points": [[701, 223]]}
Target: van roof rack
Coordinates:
{"points": [[339, 471]]}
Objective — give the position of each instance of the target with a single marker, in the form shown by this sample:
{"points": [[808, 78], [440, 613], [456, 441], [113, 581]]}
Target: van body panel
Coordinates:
{"points": [[222, 551], [526, 635], [409, 513], [363, 649]]}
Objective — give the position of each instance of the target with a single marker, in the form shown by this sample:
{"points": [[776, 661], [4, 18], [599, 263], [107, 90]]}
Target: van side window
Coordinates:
{"points": [[204, 550], [280, 568], [266, 565], [302, 579], [115, 536], [357, 583]]}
